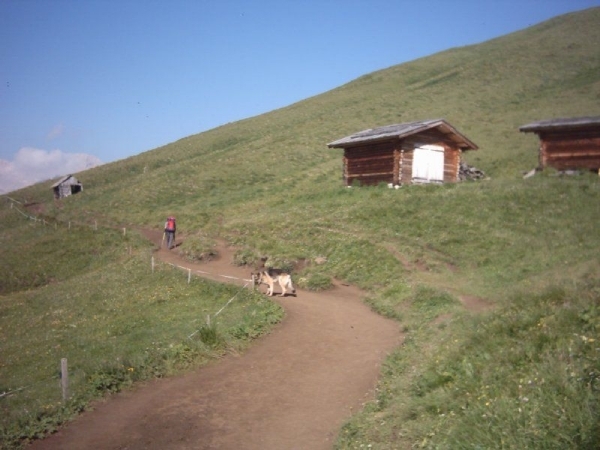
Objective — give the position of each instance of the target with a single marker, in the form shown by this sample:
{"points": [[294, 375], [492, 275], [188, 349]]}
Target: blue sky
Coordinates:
{"points": [[84, 82]]}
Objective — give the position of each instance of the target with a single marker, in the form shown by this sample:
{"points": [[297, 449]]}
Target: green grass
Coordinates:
{"points": [[268, 185], [36, 253], [103, 309], [525, 376]]}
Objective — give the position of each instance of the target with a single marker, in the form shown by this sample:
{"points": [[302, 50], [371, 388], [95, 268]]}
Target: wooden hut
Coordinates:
{"points": [[66, 186], [571, 143], [415, 152]]}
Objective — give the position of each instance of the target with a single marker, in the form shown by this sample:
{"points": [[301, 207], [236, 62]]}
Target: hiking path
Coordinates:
{"points": [[292, 389]]}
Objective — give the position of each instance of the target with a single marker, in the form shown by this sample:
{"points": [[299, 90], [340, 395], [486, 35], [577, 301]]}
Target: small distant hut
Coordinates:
{"points": [[415, 152], [66, 186], [569, 143]]}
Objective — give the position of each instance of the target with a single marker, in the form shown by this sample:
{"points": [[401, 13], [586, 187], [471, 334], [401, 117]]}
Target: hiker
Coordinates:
{"points": [[170, 229]]}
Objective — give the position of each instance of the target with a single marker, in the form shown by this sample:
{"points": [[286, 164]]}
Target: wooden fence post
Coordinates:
{"points": [[189, 275], [153, 264], [64, 379]]}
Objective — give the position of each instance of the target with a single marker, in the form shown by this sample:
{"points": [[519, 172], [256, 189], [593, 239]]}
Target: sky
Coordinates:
{"points": [[86, 82]]}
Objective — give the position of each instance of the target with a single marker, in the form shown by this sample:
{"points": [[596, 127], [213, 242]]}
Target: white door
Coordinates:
{"points": [[428, 164]]}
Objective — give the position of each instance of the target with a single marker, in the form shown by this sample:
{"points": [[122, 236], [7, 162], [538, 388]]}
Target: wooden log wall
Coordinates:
{"points": [[407, 165], [370, 165], [571, 150], [451, 164], [452, 155], [391, 162]]}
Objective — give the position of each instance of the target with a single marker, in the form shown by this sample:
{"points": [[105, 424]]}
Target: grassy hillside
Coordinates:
{"points": [[529, 248], [487, 91]]}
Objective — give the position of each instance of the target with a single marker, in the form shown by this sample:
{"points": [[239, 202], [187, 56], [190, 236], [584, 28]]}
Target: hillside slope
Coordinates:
{"points": [[487, 91], [269, 186]]}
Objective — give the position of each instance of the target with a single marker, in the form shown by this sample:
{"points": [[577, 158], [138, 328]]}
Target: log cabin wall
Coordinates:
{"points": [[391, 162], [451, 164], [66, 186], [370, 164], [570, 149], [452, 158], [387, 154], [452, 155], [407, 166]]}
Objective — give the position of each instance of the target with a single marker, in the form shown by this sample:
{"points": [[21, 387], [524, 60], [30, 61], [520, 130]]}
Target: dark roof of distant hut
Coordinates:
{"points": [[563, 124], [402, 130], [73, 180], [66, 186]]}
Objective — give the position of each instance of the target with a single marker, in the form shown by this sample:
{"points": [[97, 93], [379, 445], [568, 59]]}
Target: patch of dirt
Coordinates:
{"points": [[474, 304], [35, 208], [293, 389]]}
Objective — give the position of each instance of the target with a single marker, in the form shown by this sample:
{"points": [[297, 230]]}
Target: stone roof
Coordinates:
{"points": [[66, 178], [402, 130], [562, 124]]}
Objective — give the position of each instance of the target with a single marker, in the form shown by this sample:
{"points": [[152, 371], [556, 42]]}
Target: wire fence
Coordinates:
{"points": [[25, 213], [94, 225], [20, 208]]}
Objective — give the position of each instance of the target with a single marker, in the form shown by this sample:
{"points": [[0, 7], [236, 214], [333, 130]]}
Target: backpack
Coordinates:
{"points": [[170, 224]]}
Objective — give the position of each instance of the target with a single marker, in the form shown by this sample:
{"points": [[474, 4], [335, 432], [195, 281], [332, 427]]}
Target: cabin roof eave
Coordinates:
{"points": [[399, 131], [65, 178], [561, 124]]}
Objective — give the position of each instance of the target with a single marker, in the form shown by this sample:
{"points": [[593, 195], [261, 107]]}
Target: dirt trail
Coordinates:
{"points": [[293, 389]]}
